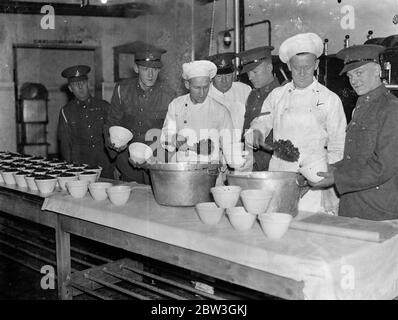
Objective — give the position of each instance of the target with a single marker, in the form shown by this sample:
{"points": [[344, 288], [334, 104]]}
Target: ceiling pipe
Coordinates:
{"points": [[128, 10], [237, 26], [193, 30], [242, 24]]}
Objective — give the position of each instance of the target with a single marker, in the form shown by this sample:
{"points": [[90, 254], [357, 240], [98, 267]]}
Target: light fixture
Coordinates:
{"points": [[227, 38], [104, 1]]}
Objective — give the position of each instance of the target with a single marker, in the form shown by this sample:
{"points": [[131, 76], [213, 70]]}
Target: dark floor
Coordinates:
{"points": [[20, 283], [34, 246]]}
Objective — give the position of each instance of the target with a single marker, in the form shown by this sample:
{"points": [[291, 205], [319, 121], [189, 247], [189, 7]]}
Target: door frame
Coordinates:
{"points": [[98, 78], [98, 75]]}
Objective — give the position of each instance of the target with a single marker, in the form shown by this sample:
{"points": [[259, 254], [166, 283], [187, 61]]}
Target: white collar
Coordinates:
{"points": [[195, 105], [313, 86]]}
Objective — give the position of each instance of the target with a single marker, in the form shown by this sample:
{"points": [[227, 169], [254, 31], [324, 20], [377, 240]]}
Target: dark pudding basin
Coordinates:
{"points": [[92, 168], [66, 175], [88, 173], [45, 177]]}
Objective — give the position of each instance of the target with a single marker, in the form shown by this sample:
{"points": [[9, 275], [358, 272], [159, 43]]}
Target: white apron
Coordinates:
{"points": [[297, 121]]}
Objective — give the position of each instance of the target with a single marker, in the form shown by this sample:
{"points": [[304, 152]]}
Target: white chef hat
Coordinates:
{"points": [[302, 42], [199, 68]]}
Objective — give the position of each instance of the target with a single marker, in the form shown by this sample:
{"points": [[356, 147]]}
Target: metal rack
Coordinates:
{"points": [[32, 119], [108, 273]]}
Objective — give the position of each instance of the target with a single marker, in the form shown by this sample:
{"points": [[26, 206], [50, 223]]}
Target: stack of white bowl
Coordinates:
{"points": [[225, 197], [255, 204]]}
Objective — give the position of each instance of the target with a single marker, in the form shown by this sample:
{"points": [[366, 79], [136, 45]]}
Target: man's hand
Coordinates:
{"points": [[301, 180], [331, 167], [254, 139], [178, 141], [136, 164], [303, 184], [328, 180], [117, 149]]}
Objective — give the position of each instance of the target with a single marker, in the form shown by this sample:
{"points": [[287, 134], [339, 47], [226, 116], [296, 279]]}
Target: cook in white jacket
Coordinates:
{"points": [[196, 116], [306, 113]]}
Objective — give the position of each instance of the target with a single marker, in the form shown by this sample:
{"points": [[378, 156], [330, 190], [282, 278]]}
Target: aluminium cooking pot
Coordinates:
{"points": [[182, 183], [283, 186]]}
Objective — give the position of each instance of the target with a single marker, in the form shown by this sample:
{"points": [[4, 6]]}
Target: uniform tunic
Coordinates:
{"points": [[367, 177], [209, 119], [235, 100], [252, 110], [80, 135], [139, 111], [313, 120]]}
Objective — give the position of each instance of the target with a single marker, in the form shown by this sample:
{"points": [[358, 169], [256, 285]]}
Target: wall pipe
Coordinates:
{"points": [[193, 30], [237, 25], [242, 24], [267, 22]]}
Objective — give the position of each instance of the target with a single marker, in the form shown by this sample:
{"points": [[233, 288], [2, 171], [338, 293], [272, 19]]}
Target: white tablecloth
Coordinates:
{"points": [[331, 267]]}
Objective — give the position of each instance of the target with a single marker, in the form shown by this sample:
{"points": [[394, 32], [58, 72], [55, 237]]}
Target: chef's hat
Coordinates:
{"points": [[199, 68], [300, 43]]}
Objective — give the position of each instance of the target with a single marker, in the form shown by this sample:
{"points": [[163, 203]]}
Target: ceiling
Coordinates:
{"points": [[113, 8], [110, 2]]}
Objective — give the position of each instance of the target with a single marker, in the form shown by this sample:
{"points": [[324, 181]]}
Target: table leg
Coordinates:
{"points": [[63, 262]]}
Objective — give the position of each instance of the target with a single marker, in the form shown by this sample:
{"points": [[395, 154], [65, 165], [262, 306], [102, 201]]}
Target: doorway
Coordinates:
{"points": [[38, 63]]}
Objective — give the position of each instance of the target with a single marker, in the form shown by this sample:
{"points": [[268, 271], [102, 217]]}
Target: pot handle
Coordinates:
{"points": [[145, 165], [303, 187], [301, 184]]}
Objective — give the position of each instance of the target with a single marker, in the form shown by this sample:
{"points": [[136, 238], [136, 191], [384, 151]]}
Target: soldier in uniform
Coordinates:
{"points": [[257, 63], [367, 177], [81, 123], [228, 92], [138, 104]]}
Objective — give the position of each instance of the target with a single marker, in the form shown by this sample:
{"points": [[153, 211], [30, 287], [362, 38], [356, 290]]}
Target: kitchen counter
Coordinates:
{"points": [[321, 266], [301, 265]]}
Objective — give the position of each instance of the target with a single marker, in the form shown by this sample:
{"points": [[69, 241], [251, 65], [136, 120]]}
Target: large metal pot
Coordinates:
{"points": [[283, 186], [183, 184]]}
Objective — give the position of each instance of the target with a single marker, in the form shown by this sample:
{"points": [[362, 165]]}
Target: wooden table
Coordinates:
{"points": [[203, 263], [81, 218], [25, 205]]}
